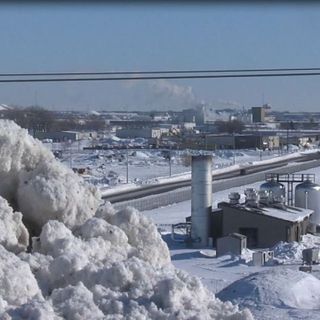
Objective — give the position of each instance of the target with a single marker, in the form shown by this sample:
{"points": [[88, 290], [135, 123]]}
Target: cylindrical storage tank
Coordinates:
{"points": [[201, 199], [275, 189], [307, 195]]}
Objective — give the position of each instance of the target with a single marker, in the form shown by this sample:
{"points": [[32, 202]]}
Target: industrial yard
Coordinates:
{"points": [[230, 276], [281, 291]]}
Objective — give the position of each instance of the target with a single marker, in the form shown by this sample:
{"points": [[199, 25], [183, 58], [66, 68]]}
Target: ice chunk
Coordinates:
{"points": [[17, 283], [14, 235], [143, 235], [56, 193], [76, 303]]}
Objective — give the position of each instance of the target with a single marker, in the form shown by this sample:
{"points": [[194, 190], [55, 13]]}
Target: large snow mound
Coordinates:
{"points": [[85, 263], [278, 287], [38, 185]]}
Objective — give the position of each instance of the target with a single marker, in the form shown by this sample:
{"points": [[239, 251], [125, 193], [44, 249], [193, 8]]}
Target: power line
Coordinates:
{"points": [[208, 76], [155, 72]]}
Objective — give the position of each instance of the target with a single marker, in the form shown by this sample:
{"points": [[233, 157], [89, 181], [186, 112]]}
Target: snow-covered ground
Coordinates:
{"points": [[270, 292], [107, 168]]}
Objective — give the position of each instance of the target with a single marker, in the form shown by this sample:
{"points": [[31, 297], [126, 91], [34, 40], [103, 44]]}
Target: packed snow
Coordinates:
{"points": [[301, 290], [85, 260]]}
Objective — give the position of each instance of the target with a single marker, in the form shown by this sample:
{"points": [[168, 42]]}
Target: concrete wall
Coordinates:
{"points": [[184, 194]]}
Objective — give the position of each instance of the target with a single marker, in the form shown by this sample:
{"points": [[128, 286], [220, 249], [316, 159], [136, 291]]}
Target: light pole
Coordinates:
{"points": [[234, 148], [287, 136], [127, 165]]}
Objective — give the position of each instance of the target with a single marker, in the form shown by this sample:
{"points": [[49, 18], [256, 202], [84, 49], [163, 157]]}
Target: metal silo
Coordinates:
{"points": [[307, 195], [276, 190], [201, 198]]}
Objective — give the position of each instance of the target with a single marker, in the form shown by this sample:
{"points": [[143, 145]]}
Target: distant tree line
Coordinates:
{"points": [[37, 119]]}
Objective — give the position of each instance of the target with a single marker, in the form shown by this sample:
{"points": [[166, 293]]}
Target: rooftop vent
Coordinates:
{"points": [[234, 197], [251, 197]]}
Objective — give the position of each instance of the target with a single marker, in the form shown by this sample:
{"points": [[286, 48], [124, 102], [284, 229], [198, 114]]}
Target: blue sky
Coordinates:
{"points": [[97, 37]]}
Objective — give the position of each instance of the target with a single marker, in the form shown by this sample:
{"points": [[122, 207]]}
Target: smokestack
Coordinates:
{"points": [[201, 198]]}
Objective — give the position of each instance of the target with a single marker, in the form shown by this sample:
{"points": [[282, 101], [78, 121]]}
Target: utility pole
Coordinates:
{"points": [[234, 148], [127, 166], [287, 136], [70, 150], [261, 144], [169, 163]]}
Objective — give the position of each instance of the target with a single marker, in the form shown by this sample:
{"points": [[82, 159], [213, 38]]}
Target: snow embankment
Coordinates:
{"points": [[88, 262]]}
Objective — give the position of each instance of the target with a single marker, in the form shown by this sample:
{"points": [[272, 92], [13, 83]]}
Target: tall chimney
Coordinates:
{"points": [[201, 199]]}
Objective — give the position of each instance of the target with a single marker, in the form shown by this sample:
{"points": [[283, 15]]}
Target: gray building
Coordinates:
{"points": [[263, 226], [233, 243], [148, 133], [258, 114], [242, 141], [59, 136]]}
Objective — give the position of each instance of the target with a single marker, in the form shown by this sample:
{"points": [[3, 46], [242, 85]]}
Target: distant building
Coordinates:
{"points": [[62, 136], [242, 141], [258, 114], [148, 133], [59, 136]]}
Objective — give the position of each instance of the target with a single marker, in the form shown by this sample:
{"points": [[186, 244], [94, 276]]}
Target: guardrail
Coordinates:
{"points": [[180, 194]]}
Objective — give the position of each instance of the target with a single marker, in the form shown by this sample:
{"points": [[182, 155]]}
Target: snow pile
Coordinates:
{"points": [[86, 263], [29, 171], [17, 283], [292, 251], [13, 234], [276, 287], [104, 269]]}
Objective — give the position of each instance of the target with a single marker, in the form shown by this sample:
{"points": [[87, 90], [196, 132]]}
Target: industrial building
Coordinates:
{"points": [[258, 114], [63, 136], [242, 141], [272, 214], [147, 133], [263, 225]]}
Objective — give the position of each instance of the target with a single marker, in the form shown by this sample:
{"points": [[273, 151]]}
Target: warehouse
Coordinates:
{"points": [[263, 225]]}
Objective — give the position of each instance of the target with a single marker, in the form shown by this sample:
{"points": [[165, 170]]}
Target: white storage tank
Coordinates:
{"points": [[276, 190], [307, 195], [201, 199]]}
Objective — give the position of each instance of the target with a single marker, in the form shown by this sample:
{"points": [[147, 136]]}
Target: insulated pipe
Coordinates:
{"points": [[201, 199]]}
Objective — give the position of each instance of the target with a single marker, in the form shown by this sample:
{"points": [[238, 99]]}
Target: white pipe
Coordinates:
{"points": [[201, 199]]}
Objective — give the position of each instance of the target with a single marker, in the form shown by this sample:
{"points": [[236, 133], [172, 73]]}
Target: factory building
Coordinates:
{"points": [[262, 225], [147, 133], [265, 217], [241, 141]]}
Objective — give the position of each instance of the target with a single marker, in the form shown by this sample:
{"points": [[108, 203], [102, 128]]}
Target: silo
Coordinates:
{"points": [[276, 190], [307, 195], [201, 199]]}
